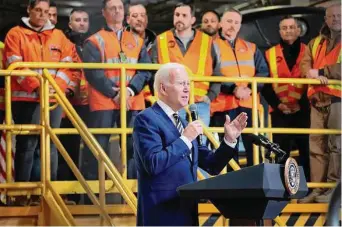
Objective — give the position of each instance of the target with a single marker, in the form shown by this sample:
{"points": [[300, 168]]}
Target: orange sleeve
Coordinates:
{"points": [[64, 76], [12, 53]]}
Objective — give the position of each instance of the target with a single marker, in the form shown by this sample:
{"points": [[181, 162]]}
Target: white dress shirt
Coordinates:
{"points": [[169, 112]]}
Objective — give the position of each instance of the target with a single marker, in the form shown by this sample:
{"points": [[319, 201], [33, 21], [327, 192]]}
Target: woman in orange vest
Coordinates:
{"points": [[322, 60], [289, 103], [35, 40], [239, 58]]}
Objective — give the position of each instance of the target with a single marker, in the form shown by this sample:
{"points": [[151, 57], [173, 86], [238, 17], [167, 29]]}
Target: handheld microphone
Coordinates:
{"points": [[194, 116], [263, 141]]}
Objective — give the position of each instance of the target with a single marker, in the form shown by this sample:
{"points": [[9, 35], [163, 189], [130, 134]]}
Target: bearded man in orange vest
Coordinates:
{"points": [[322, 60], [289, 102], [192, 48], [112, 44], [239, 58]]}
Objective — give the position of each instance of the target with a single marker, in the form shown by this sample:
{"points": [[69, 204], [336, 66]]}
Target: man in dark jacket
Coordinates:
{"points": [[289, 103], [78, 95]]}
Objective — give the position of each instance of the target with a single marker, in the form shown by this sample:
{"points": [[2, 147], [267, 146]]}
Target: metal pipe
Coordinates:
{"points": [[123, 122], [8, 122], [283, 130], [255, 126], [102, 189], [72, 131]]}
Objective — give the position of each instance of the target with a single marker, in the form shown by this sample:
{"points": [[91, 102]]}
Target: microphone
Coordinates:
{"points": [[194, 116], [263, 141]]}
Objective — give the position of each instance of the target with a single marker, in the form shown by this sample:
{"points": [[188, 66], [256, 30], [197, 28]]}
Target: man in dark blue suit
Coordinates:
{"points": [[167, 154]]}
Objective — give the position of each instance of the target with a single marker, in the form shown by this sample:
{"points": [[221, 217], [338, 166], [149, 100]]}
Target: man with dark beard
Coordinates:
{"points": [[192, 48], [211, 23]]}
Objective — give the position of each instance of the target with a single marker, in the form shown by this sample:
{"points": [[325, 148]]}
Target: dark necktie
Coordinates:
{"points": [[178, 123], [180, 128]]}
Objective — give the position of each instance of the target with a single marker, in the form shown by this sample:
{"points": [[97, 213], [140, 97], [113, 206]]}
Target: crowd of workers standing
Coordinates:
{"points": [[214, 49]]}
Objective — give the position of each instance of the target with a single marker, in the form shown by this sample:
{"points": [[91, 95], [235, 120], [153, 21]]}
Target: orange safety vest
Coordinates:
{"points": [[197, 58], [234, 63], [322, 59], [25, 45], [109, 46], [287, 93]]}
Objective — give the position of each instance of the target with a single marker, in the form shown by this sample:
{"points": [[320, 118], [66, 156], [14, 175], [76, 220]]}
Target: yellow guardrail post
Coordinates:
{"points": [[43, 133], [256, 160], [123, 121], [46, 116], [8, 121]]}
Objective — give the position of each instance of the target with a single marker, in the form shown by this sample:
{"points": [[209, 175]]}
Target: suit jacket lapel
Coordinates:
{"points": [[168, 122]]}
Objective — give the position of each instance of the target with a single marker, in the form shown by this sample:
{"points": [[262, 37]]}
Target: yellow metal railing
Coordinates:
{"points": [[105, 164]]}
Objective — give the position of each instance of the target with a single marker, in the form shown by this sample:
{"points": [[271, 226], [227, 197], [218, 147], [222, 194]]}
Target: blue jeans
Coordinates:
{"points": [[27, 146], [203, 110]]}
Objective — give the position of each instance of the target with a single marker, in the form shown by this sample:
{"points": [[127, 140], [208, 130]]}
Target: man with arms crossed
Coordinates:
{"points": [[167, 154]]}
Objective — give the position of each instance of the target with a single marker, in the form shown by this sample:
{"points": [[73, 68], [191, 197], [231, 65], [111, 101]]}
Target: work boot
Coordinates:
{"points": [[325, 197], [311, 197]]}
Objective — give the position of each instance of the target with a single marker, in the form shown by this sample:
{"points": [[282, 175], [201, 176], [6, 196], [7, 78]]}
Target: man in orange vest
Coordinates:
{"points": [[322, 60], [289, 102], [211, 23], [113, 44], [78, 95], [21, 44], [193, 48], [137, 20], [238, 58]]}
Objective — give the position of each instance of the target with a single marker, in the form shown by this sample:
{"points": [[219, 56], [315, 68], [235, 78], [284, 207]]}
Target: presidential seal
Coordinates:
{"points": [[292, 176]]}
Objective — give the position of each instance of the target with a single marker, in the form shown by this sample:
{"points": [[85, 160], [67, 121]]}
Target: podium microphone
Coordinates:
{"points": [[194, 116], [261, 140]]}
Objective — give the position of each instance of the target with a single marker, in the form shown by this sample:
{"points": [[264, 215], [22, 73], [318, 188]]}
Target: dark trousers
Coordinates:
{"points": [[287, 142], [28, 145], [72, 144], [220, 118], [108, 119]]}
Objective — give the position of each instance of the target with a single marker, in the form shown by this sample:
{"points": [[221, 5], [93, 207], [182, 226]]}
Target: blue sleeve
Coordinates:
{"points": [[96, 77], [150, 149], [214, 162], [261, 67], [141, 78]]}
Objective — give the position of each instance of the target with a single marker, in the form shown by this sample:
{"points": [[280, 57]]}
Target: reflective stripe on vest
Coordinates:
{"points": [[40, 72], [287, 93], [319, 62], [12, 59], [24, 94], [201, 88]]}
